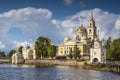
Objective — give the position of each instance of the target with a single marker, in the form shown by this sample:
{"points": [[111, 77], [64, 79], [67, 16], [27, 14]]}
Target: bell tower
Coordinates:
{"points": [[92, 29]]}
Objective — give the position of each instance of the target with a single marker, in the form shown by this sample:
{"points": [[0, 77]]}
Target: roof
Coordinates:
{"points": [[81, 29]]}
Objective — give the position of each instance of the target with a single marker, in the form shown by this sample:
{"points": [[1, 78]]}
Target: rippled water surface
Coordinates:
{"points": [[12, 72]]}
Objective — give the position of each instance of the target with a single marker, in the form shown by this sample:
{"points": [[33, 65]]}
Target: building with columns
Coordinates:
{"points": [[88, 42]]}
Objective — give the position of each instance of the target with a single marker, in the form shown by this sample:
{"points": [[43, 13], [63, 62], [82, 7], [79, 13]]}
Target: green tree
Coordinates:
{"points": [[11, 53], [41, 46], [51, 51], [115, 49], [70, 53], [112, 48], [2, 54], [108, 48], [76, 52]]}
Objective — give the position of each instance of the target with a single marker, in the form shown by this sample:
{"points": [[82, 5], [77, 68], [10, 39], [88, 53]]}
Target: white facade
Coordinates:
{"points": [[97, 53], [27, 53], [17, 58]]}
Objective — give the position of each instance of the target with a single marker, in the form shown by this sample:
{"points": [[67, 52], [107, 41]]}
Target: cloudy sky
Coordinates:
{"points": [[23, 21]]}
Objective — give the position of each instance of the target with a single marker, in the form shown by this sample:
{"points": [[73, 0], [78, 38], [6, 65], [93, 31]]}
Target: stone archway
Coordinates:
{"points": [[30, 54], [95, 60]]}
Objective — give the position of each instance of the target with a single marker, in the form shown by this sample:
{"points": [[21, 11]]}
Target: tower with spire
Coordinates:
{"points": [[92, 29]]}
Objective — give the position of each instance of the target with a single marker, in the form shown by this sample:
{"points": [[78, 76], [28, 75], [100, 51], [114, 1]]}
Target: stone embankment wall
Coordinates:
{"points": [[56, 62]]}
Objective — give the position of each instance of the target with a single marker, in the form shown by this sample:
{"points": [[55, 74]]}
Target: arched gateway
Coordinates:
{"points": [[95, 60]]}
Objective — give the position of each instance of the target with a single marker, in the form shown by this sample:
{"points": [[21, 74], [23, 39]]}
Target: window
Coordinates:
{"points": [[65, 51], [89, 31], [90, 38], [65, 48], [90, 24], [94, 31]]}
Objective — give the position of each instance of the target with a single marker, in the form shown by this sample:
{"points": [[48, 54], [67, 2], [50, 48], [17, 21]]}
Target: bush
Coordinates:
{"points": [[98, 65], [79, 60]]}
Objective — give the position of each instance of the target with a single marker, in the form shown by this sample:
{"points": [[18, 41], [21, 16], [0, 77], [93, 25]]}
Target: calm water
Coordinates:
{"points": [[12, 72]]}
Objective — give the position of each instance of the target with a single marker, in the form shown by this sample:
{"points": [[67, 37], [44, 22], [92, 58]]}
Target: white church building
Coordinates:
{"points": [[27, 53]]}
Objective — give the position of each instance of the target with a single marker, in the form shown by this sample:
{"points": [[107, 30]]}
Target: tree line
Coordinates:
{"points": [[112, 48], [2, 54], [45, 49]]}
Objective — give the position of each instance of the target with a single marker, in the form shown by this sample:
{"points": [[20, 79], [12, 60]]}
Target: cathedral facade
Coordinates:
{"points": [[88, 42]]}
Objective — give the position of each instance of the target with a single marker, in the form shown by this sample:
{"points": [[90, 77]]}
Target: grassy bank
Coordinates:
{"points": [[102, 67]]}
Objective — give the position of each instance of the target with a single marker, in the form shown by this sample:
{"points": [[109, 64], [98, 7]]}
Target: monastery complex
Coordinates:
{"points": [[87, 40]]}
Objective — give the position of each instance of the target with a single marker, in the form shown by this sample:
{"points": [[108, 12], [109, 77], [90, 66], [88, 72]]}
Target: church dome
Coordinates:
{"points": [[81, 29], [74, 37], [67, 39]]}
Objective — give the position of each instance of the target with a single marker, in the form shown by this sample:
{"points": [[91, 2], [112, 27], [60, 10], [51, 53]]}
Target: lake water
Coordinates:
{"points": [[13, 72]]}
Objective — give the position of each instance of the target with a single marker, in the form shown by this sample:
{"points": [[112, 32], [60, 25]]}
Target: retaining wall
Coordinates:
{"points": [[56, 62]]}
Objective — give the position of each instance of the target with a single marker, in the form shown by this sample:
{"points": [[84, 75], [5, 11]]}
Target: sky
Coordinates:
{"points": [[23, 21]]}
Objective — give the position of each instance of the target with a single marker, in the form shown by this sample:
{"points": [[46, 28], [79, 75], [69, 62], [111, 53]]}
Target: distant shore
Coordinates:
{"points": [[73, 63]]}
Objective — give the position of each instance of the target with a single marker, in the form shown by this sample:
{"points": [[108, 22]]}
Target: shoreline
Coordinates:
{"points": [[98, 69], [70, 63], [55, 62]]}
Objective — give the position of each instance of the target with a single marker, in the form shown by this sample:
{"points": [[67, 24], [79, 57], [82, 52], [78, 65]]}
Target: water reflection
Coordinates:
{"points": [[24, 66], [12, 72]]}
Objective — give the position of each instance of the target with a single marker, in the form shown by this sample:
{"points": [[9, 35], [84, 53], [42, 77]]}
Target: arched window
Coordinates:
{"points": [[90, 38], [30, 54], [94, 31], [90, 24], [89, 31]]}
